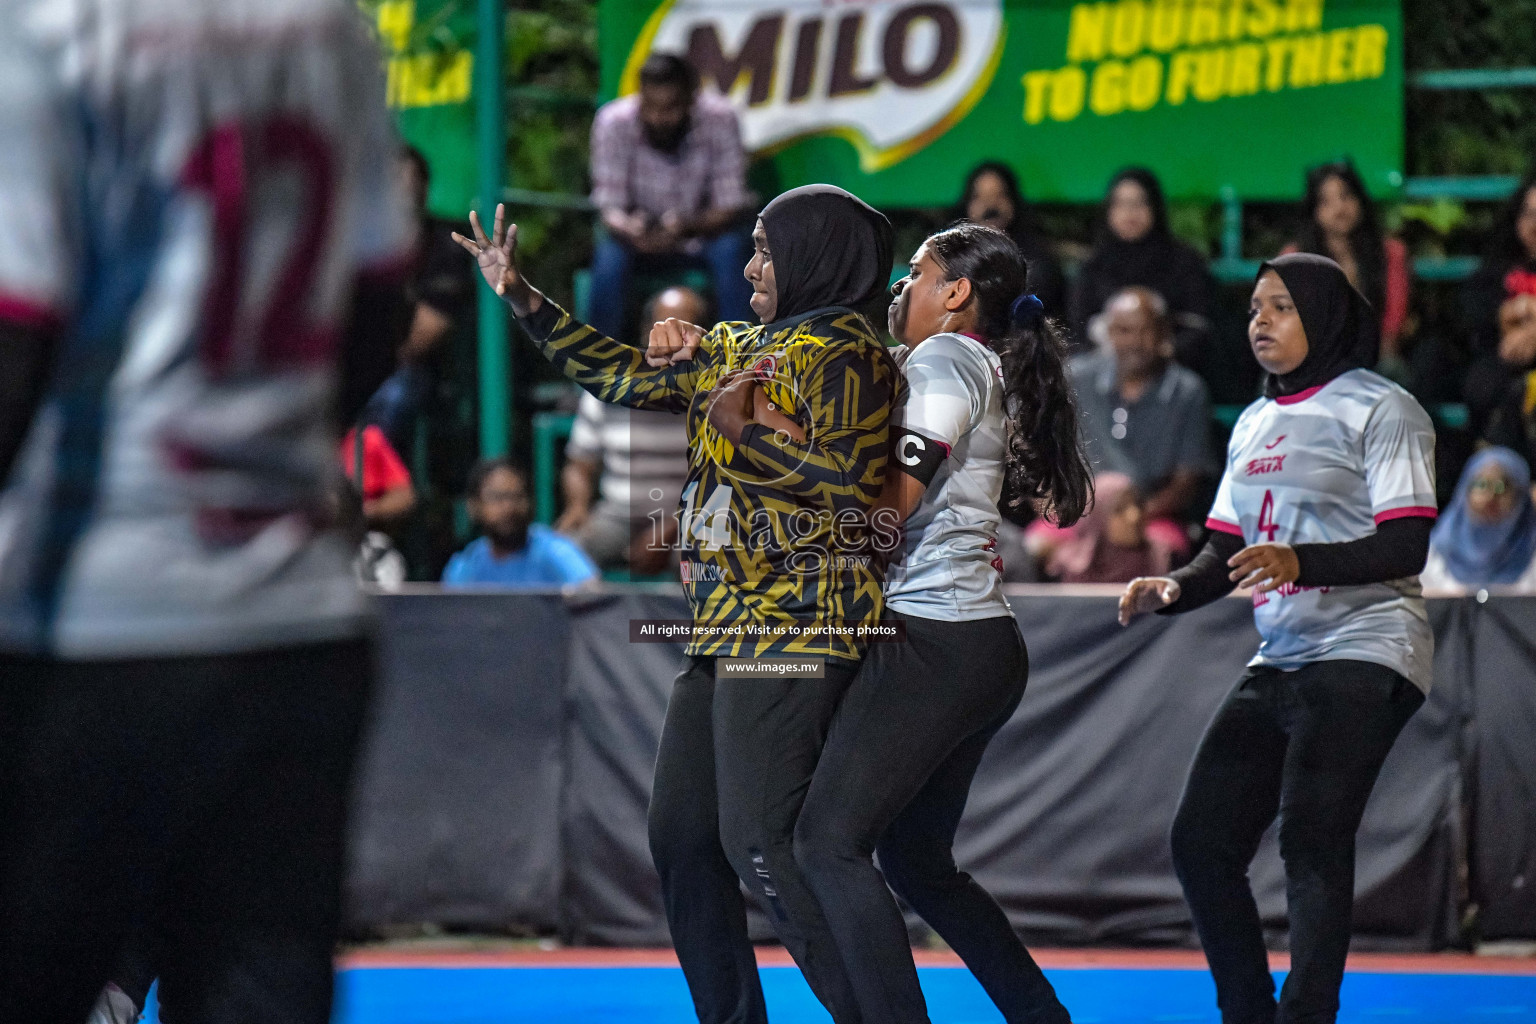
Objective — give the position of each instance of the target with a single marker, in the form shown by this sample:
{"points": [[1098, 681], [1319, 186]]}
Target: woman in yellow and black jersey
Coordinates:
{"points": [[760, 511], [775, 529]]}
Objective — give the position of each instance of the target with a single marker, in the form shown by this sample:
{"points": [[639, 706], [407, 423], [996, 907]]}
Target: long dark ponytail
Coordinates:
{"points": [[1045, 458]]}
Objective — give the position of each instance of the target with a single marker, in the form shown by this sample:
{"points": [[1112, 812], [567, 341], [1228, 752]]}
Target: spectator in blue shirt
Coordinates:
{"points": [[513, 551]]}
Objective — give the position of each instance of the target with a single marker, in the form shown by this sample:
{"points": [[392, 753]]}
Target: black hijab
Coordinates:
{"points": [[1159, 232], [1156, 260], [830, 248], [1149, 259], [1022, 229], [1343, 332]]}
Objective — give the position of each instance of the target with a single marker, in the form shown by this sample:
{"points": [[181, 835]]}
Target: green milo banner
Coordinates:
{"points": [[429, 70], [897, 100]]}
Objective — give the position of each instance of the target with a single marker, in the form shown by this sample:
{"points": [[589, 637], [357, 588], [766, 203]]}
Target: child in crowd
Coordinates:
{"points": [[1110, 544]]}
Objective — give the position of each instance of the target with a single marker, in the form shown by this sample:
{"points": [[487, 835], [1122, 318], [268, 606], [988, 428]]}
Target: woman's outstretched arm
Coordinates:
{"points": [[663, 376]]}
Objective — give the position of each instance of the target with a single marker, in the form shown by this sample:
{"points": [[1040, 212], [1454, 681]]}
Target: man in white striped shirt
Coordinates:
{"points": [[634, 463]]}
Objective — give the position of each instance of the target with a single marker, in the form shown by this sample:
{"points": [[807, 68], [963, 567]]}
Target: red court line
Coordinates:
{"points": [[1059, 959]]}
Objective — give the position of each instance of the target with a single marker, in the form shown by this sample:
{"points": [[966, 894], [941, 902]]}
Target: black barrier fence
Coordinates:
{"points": [[508, 771]]}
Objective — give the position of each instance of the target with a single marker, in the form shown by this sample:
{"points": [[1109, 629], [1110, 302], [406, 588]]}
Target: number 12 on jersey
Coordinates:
{"points": [[246, 169]]}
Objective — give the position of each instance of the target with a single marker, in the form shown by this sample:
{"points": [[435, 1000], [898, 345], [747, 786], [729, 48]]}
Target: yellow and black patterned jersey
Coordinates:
{"points": [[774, 530]]}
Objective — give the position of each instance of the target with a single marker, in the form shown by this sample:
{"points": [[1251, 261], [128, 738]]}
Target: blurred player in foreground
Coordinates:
{"points": [[184, 654]]}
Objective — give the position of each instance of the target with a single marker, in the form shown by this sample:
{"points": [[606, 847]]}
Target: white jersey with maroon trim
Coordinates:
{"points": [[188, 191], [1325, 466], [950, 435]]}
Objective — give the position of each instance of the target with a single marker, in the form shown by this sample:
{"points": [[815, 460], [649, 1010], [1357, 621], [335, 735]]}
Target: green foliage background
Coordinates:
{"points": [[551, 63]]}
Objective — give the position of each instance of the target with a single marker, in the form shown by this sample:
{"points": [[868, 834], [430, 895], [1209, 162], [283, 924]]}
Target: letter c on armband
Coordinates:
{"points": [[921, 456]]}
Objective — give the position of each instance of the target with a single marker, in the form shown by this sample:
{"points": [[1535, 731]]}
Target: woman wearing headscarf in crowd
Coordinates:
{"points": [[1110, 544], [986, 396], [1340, 222], [1487, 535], [771, 532], [992, 197], [1498, 306], [1325, 511], [1136, 247]]}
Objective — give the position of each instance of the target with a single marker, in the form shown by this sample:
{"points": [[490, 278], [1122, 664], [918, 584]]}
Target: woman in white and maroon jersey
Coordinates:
{"points": [[985, 398], [1325, 511]]}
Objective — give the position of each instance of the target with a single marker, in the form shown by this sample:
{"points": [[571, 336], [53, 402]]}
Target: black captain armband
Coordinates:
{"points": [[919, 455]]}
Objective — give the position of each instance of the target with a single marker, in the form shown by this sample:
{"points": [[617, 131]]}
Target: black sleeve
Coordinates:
{"points": [[1207, 577], [379, 309], [541, 323], [28, 357], [1397, 549]]}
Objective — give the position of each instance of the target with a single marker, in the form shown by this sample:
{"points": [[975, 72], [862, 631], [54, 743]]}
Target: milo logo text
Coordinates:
{"points": [[890, 77]]}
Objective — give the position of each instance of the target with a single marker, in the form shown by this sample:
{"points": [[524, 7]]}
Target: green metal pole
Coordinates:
{"points": [[490, 127], [548, 427], [1475, 78], [1231, 224]]}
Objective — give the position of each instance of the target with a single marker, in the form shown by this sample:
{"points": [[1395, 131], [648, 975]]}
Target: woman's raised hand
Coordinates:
{"points": [[673, 341], [1147, 594], [497, 257]]}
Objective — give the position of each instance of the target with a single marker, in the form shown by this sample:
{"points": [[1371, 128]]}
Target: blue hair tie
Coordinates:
{"points": [[1027, 310]]}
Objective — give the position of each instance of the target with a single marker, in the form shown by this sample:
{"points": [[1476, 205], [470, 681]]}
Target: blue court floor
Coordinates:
{"points": [[442, 994]]}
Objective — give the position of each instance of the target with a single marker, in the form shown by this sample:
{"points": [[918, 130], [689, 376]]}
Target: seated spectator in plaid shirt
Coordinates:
{"points": [[625, 468], [669, 178]]}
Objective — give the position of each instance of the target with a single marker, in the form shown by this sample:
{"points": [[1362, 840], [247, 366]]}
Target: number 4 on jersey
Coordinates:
{"points": [[1267, 524], [709, 526]]}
